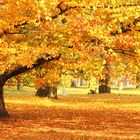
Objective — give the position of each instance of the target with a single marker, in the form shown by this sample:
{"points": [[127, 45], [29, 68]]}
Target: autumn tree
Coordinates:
{"points": [[47, 79], [24, 38], [121, 44]]}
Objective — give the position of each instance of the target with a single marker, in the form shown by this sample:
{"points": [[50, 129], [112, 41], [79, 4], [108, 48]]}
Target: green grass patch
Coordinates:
{"points": [[23, 91], [69, 91], [126, 91]]}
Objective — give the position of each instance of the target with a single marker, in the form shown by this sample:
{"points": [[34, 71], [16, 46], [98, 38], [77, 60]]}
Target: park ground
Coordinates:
{"points": [[71, 117]]}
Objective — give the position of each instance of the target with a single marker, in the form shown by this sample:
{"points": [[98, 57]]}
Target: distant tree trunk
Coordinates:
{"points": [[18, 85], [47, 91], [79, 82], [103, 84], [73, 83], [43, 92], [54, 92], [3, 112], [105, 80]]}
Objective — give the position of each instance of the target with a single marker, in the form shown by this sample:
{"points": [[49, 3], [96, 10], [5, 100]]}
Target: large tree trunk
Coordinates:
{"points": [[138, 80], [3, 112]]}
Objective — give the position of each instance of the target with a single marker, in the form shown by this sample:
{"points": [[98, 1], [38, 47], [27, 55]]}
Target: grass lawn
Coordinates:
{"points": [[126, 91], [79, 90], [76, 116], [85, 90]]}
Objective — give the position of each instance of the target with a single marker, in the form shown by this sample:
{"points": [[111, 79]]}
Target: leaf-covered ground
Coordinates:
{"points": [[73, 117]]}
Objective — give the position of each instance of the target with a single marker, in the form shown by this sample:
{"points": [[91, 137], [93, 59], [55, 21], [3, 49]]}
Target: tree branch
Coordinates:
{"points": [[21, 24], [129, 53], [20, 70], [119, 6], [16, 32], [62, 11], [126, 28]]}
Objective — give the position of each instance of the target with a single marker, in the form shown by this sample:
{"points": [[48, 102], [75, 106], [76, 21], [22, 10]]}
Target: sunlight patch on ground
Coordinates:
{"points": [[72, 103]]}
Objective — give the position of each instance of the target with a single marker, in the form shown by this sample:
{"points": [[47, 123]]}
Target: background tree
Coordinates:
{"points": [[47, 79]]}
